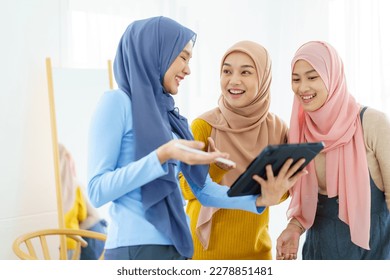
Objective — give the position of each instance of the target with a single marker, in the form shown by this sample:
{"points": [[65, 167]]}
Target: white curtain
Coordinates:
{"points": [[357, 28], [360, 31]]}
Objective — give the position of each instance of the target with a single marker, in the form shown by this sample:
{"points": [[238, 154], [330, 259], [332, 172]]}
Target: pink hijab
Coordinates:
{"points": [[337, 124]]}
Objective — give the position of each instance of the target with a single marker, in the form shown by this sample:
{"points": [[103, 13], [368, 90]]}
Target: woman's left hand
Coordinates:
{"points": [[274, 188]]}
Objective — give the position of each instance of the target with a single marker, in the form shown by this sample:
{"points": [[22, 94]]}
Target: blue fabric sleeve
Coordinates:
{"points": [[112, 169], [215, 195]]}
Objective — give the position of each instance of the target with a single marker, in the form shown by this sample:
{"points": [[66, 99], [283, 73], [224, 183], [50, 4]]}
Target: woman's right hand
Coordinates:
{"points": [[288, 242], [171, 151]]}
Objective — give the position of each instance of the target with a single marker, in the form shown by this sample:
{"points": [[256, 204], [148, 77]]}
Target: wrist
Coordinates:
{"points": [[162, 154], [294, 223]]}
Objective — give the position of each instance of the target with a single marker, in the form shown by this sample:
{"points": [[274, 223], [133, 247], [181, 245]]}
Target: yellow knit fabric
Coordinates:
{"points": [[235, 234], [75, 216]]}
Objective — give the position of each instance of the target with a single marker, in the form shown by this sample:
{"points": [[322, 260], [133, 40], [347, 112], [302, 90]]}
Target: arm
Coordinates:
{"points": [[376, 129], [215, 195], [112, 168], [92, 215], [287, 243]]}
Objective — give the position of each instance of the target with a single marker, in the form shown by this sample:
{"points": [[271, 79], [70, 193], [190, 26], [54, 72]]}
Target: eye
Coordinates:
{"points": [[312, 78], [246, 73], [294, 80], [226, 71]]}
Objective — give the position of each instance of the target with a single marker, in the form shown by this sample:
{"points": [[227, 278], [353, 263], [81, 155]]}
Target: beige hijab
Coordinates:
{"points": [[69, 182], [242, 132]]}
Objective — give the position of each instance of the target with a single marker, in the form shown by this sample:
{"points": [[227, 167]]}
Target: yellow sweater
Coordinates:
{"points": [[75, 216], [235, 234]]}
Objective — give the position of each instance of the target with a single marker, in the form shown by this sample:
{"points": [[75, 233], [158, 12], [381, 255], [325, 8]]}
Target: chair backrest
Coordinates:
{"points": [[45, 244]]}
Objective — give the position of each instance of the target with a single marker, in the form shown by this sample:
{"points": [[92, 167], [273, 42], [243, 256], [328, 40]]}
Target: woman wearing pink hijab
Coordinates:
{"points": [[344, 201]]}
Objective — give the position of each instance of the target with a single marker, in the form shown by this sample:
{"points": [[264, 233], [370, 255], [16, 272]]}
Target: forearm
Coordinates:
{"points": [[214, 195], [109, 183]]}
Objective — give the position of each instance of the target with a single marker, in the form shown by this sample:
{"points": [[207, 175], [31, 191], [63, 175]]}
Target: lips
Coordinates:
{"points": [[236, 91], [178, 79], [308, 97]]}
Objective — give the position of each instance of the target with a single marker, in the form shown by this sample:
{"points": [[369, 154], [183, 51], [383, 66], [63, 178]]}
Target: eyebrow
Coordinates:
{"points": [[242, 66], [308, 72]]}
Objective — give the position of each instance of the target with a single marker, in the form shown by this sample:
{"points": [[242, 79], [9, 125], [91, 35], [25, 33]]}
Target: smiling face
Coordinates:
{"points": [[239, 83], [178, 70], [308, 86]]}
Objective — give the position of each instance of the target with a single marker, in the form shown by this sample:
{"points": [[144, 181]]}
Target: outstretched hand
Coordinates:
{"points": [[171, 151], [273, 188]]}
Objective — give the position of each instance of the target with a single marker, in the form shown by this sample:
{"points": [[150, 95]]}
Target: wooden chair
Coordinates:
{"points": [[42, 244]]}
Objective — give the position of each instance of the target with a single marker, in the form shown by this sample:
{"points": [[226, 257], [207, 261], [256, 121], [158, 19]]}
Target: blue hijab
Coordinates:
{"points": [[145, 52]]}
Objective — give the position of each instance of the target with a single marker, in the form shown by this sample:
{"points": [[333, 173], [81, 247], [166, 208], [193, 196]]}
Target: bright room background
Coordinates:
{"points": [[85, 33]]}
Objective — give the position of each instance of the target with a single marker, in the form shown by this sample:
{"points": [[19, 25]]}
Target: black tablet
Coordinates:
{"points": [[276, 155]]}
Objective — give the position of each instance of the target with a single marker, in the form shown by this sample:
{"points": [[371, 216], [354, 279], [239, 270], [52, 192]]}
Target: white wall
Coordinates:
{"points": [[30, 32]]}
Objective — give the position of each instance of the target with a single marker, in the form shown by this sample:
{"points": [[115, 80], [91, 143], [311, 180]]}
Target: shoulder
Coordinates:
{"points": [[201, 129], [374, 120], [277, 125], [376, 127], [278, 121], [213, 116], [116, 97], [114, 102], [200, 124]]}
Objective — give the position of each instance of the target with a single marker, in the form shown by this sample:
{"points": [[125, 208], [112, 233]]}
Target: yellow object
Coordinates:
{"points": [[75, 216]]}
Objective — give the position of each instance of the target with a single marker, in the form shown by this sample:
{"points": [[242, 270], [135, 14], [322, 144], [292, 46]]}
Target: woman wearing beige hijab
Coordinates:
{"points": [[242, 126]]}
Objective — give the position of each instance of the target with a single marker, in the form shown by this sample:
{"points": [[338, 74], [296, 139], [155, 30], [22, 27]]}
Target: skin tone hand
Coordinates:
{"points": [[170, 151], [288, 242], [217, 163], [274, 188]]}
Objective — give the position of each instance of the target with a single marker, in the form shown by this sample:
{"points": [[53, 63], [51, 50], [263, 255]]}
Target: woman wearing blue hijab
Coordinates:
{"points": [[133, 161]]}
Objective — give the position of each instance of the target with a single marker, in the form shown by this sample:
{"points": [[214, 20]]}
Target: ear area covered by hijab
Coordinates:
{"points": [[146, 50]]}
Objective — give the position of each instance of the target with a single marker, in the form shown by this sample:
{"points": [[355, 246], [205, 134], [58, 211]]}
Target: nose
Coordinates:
{"points": [[187, 70], [303, 87], [235, 79]]}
